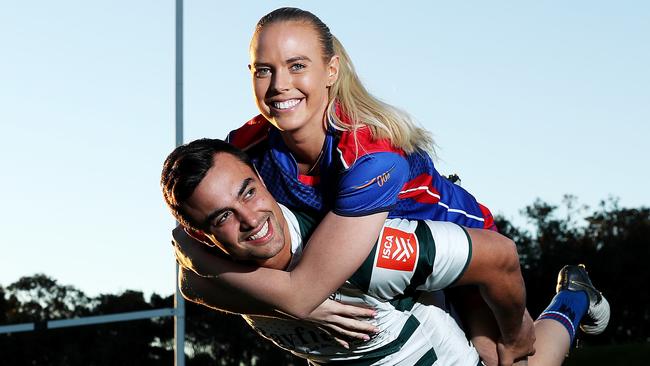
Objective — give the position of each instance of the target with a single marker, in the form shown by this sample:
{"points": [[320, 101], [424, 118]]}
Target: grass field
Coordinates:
{"points": [[618, 355]]}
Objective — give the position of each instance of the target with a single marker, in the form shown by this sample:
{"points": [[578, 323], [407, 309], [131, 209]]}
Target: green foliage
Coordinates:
{"points": [[614, 244], [40, 298], [213, 338]]}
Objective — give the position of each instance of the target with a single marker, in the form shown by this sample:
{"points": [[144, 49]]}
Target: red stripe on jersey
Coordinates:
{"points": [[252, 132], [489, 220], [420, 189], [310, 180], [340, 113], [353, 148]]}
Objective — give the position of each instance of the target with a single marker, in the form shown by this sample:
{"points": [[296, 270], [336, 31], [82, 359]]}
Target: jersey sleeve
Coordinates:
{"points": [[250, 134], [371, 184], [489, 223], [412, 256], [453, 252]]}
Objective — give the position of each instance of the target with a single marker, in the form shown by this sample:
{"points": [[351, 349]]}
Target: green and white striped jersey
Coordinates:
{"points": [[409, 257]]}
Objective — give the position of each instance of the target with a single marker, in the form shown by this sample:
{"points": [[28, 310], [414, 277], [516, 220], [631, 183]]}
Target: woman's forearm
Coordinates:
{"points": [[335, 250]]}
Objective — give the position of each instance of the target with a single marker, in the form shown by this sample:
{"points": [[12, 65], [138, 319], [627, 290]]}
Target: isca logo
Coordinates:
{"points": [[397, 250]]}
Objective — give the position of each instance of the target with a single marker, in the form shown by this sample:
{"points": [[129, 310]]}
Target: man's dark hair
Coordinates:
{"points": [[186, 167]]}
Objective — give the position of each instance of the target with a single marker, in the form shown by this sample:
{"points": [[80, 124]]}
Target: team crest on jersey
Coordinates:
{"points": [[398, 250], [381, 179]]}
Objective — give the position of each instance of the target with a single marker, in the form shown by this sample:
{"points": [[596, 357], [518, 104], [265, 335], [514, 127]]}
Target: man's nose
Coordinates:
{"points": [[248, 218]]}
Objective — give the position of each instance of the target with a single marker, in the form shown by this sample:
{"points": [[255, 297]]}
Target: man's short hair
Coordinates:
{"points": [[185, 168]]}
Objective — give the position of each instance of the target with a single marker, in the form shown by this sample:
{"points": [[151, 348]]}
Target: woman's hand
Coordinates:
{"points": [[344, 322]]}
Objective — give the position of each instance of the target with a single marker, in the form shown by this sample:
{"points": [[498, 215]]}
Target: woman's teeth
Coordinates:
{"points": [[286, 104]]}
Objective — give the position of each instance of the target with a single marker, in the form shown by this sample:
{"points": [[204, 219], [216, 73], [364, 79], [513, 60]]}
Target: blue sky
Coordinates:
{"points": [[525, 100]]}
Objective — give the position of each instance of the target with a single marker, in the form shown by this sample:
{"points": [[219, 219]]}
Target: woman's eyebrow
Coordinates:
{"points": [[297, 58]]}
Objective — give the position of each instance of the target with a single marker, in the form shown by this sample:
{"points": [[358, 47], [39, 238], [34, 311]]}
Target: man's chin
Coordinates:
{"points": [[273, 262]]}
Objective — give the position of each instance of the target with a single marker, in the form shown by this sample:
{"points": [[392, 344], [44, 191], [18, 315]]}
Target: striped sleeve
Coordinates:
{"points": [[453, 254]]}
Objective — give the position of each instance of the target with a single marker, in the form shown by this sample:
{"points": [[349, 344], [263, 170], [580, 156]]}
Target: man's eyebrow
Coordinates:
{"points": [[245, 183]]}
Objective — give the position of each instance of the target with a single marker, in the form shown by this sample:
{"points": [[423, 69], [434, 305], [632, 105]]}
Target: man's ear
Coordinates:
{"points": [[200, 236]]}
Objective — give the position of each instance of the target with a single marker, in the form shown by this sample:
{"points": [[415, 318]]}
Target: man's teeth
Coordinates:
{"points": [[286, 104], [262, 233]]}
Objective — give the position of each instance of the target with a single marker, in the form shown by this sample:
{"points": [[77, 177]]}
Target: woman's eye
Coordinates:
{"points": [[297, 67]]}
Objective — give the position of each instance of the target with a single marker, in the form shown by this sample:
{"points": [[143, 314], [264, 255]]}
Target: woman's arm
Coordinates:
{"points": [[336, 249]]}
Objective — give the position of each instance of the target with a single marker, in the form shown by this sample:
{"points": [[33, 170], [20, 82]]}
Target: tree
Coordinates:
{"points": [[214, 338], [621, 242], [614, 244]]}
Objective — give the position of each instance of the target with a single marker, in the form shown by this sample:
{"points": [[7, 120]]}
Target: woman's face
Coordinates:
{"points": [[290, 78]]}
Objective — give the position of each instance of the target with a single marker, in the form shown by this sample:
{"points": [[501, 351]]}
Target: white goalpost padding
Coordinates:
{"points": [[88, 320]]}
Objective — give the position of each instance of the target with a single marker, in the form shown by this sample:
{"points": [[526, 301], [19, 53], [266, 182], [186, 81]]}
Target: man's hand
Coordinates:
{"points": [[343, 321], [190, 252], [521, 346]]}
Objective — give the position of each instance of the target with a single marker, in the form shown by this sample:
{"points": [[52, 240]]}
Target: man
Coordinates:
{"points": [[212, 189]]}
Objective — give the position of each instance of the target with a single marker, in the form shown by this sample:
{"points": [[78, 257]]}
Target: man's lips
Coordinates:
{"points": [[262, 234]]}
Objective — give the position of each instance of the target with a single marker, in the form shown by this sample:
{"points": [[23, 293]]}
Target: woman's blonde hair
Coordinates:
{"points": [[349, 97]]}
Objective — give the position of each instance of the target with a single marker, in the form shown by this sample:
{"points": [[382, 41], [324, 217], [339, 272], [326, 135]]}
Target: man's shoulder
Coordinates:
{"points": [[304, 222]]}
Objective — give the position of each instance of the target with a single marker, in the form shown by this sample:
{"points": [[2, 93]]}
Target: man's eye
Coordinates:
{"points": [[250, 193], [222, 218], [297, 67], [261, 72]]}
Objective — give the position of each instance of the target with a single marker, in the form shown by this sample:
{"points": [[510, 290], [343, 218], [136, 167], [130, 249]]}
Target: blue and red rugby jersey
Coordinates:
{"points": [[359, 177]]}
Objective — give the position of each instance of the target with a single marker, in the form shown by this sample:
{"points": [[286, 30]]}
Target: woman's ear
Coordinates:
{"points": [[333, 69]]}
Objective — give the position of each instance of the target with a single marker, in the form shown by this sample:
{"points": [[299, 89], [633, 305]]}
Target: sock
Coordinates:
{"points": [[567, 308]]}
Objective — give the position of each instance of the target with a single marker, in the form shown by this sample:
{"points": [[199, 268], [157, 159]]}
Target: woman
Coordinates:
{"points": [[310, 143], [326, 144], [329, 128]]}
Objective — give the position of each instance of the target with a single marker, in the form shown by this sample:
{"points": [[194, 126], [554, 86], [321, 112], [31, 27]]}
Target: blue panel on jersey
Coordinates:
{"points": [[371, 184]]}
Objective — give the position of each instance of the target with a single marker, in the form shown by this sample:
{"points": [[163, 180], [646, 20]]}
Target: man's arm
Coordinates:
{"points": [[215, 295], [495, 269], [341, 320]]}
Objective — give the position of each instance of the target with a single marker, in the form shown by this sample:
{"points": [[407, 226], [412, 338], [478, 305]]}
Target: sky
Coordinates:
{"points": [[525, 100]]}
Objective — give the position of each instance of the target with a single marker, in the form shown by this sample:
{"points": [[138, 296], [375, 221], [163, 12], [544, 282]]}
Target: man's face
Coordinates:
{"points": [[239, 214]]}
